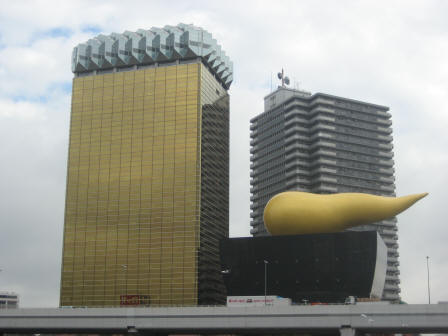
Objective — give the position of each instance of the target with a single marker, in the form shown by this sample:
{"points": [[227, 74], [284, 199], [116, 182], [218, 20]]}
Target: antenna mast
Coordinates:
{"points": [[283, 78]]}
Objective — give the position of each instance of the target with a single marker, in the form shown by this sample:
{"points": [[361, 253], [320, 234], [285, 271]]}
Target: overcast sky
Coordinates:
{"points": [[392, 53]]}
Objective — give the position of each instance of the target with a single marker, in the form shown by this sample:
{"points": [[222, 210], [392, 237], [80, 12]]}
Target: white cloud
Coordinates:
{"points": [[22, 110]]}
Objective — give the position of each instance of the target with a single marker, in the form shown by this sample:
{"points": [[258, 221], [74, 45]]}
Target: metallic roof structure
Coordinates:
{"points": [[157, 45]]}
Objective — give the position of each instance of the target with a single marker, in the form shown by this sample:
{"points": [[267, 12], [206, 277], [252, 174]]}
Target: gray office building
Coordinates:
{"points": [[324, 144], [9, 300]]}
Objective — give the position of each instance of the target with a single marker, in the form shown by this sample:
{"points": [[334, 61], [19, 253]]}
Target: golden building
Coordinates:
{"points": [[147, 181]]}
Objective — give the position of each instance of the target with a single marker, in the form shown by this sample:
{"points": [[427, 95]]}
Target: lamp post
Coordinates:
{"points": [[265, 279], [429, 290]]}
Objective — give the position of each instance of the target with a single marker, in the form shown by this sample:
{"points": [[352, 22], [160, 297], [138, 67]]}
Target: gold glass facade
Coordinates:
{"points": [[138, 220]]}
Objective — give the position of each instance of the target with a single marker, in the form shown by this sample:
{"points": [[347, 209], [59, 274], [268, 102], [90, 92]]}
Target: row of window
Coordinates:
{"points": [[135, 111], [364, 158], [154, 287], [135, 226], [109, 257], [164, 163], [127, 107], [356, 106], [133, 229], [172, 295], [169, 137], [169, 259], [158, 119], [148, 144], [158, 72], [146, 86], [168, 166], [141, 243], [81, 223], [172, 171], [161, 129], [143, 128], [129, 149], [105, 80], [155, 71], [123, 201], [172, 141], [129, 92], [106, 259], [137, 196], [173, 210], [180, 246], [91, 224], [125, 189], [131, 195], [148, 226], [125, 148], [128, 186], [155, 283], [146, 107], [133, 124], [115, 272], [181, 158], [96, 234], [138, 126], [141, 78], [133, 192], [130, 156], [130, 110], [154, 85], [147, 237], [158, 88], [126, 152]]}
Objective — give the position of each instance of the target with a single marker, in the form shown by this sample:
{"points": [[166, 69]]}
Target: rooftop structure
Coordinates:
{"points": [[153, 46]]}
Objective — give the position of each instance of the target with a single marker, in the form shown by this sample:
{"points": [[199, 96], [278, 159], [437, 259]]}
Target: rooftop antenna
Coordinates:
{"points": [[283, 78]]}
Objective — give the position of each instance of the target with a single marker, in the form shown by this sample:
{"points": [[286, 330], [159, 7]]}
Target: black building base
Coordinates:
{"points": [[306, 268]]}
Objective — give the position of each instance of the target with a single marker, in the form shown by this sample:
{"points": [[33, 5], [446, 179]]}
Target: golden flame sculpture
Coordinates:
{"points": [[295, 212]]}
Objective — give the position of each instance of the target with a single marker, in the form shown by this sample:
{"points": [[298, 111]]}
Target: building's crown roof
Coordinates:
{"points": [[166, 44]]}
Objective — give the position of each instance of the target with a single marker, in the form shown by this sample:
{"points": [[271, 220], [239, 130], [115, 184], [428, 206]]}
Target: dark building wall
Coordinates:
{"points": [[214, 188], [316, 268]]}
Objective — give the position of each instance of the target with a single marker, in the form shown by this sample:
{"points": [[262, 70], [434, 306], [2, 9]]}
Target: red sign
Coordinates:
{"points": [[134, 300]]}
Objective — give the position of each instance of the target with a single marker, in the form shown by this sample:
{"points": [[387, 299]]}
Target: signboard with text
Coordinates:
{"points": [[134, 300]]}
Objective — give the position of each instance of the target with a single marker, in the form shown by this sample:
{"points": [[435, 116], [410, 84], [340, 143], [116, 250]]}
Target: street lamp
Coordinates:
{"points": [[265, 279], [427, 269]]}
